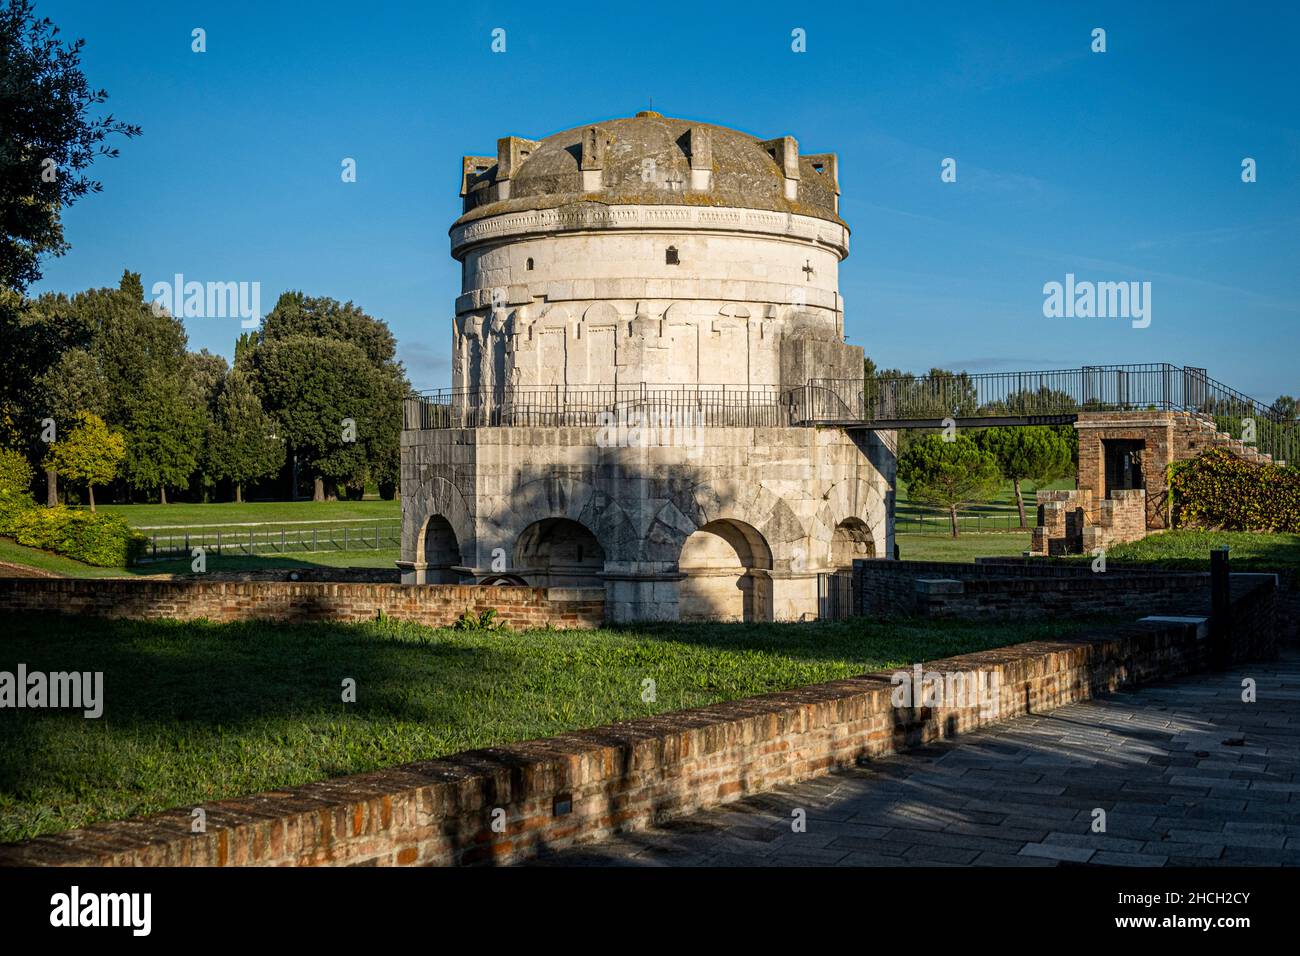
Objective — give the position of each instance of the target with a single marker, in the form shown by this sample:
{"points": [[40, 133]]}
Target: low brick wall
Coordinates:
{"points": [[950, 589], [437, 605], [587, 784]]}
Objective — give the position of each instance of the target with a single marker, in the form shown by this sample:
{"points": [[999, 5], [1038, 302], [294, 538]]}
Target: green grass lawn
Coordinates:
{"points": [[16, 553], [196, 712], [966, 547], [997, 514], [274, 514], [1190, 550]]}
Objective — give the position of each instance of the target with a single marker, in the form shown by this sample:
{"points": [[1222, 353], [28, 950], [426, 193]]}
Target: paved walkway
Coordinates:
{"points": [[1186, 773]]}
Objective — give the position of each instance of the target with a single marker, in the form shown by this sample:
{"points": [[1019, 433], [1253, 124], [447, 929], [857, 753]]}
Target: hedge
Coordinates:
{"points": [[1221, 491], [99, 539]]}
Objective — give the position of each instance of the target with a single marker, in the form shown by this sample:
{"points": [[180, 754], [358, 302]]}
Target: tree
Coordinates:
{"points": [[318, 365], [15, 473], [245, 445], [164, 438], [1287, 408], [204, 375], [48, 139], [74, 385], [322, 392], [91, 452], [33, 336], [949, 474], [1036, 452]]}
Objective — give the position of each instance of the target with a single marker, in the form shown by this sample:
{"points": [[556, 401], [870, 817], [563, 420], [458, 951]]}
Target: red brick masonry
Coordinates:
{"points": [[584, 785], [437, 605]]}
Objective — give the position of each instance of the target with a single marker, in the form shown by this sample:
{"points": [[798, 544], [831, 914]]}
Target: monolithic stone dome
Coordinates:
{"points": [[649, 159]]}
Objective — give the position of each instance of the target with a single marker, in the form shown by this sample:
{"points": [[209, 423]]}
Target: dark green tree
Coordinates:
{"points": [[1038, 453], [164, 437], [48, 139], [245, 444], [322, 393], [328, 373], [949, 473]]}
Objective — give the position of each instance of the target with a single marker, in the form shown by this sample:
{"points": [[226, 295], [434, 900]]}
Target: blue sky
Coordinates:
{"points": [[1115, 166]]}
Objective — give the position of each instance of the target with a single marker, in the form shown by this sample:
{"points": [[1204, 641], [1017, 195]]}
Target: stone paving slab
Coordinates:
{"points": [[1186, 772]]}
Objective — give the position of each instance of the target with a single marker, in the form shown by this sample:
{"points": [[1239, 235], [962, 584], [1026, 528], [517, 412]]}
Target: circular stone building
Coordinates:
{"points": [[648, 320]]}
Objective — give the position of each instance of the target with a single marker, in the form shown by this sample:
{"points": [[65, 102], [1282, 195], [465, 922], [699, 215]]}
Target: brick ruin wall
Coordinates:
{"points": [[435, 605]]}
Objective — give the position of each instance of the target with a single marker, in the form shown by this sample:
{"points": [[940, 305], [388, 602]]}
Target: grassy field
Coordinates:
{"points": [[1190, 550], [196, 712], [31, 557], [995, 515], [273, 514], [966, 548]]}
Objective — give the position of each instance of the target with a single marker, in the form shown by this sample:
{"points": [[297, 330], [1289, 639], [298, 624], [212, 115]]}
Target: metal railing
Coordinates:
{"points": [[1022, 397], [356, 536], [1016, 398], [599, 405]]}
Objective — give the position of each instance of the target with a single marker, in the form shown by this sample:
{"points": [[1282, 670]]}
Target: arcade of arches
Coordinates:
{"points": [[725, 565]]}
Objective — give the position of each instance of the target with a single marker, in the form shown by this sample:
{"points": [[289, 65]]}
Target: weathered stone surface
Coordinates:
{"points": [[672, 269]]}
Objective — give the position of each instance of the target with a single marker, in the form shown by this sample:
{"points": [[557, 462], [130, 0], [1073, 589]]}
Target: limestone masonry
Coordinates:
{"points": [[641, 300]]}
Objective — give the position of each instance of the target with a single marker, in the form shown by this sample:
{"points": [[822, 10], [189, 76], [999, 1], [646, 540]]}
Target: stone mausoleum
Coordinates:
{"points": [[644, 304]]}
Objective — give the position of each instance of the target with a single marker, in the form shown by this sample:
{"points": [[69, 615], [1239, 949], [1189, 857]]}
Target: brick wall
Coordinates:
{"points": [[949, 589], [1076, 522], [587, 784], [1167, 437], [437, 605]]}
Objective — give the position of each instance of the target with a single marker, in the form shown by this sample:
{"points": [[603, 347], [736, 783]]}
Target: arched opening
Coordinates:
{"points": [[727, 567], [852, 539], [441, 552], [558, 552]]}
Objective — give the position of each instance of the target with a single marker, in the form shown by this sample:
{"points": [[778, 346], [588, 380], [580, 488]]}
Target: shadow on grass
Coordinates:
{"points": [[197, 691]]}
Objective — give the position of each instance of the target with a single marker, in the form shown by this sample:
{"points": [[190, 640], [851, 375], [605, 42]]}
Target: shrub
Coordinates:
{"points": [[1219, 490], [483, 621], [15, 473], [12, 504], [99, 539]]}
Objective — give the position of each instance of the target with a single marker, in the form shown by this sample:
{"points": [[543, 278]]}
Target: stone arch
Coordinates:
{"points": [[600, 314], [754, 505], [852, 539], [726, 569], [440, 551], [435, 497], [539, 497], [857, 503], [559, 552]]}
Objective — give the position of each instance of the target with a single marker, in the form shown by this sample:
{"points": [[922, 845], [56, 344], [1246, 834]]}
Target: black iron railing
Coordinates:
{"points": [[597, 406], [1056, 395]]}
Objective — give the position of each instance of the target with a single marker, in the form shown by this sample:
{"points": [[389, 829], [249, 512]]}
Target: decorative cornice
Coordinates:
{"points": [[596, 218]]}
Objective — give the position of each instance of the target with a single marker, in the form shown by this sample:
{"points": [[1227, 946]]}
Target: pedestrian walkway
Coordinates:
{"points": [[1187, 774]]}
